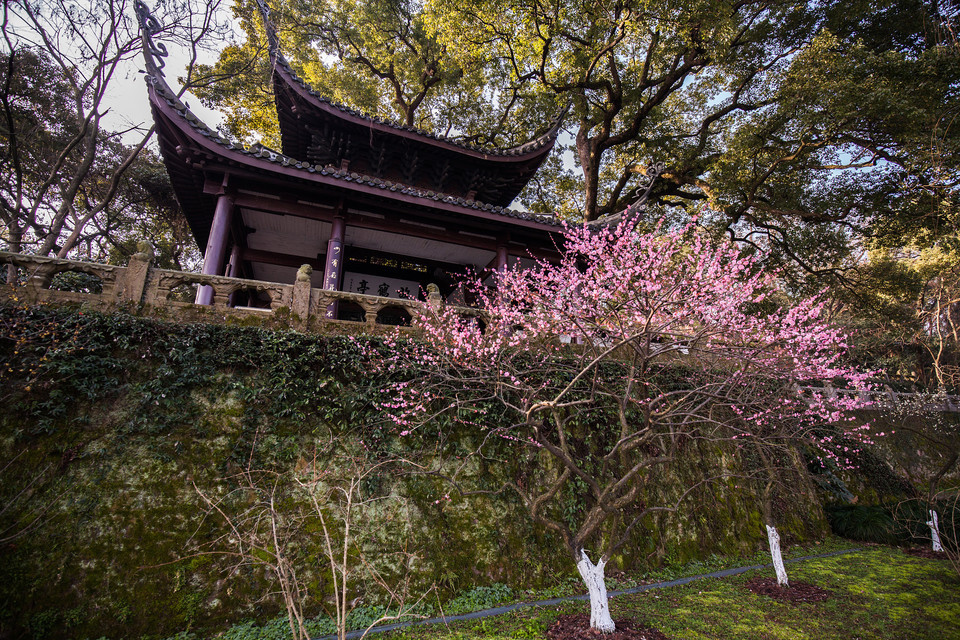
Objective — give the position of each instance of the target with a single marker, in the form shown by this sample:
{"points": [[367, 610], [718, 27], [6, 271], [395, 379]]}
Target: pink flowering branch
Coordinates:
{"points": [[680, 339]]}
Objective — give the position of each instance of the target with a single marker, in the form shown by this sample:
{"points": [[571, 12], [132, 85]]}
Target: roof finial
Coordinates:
{"points": [[272, 40], [153, 52], [650, 174], [652, 171]]}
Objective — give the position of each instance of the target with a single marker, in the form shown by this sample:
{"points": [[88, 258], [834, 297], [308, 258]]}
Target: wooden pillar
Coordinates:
{"points": [[233, 266], [216, 245], [333, 270], [502, 258], [233, 270]]}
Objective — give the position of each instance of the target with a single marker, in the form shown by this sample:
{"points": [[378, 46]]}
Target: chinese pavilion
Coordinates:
{"points": [[376, 208]]}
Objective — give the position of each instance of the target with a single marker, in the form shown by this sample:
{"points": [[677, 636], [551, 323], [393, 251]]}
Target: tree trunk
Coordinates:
{"points": [[592, 575], [589, 155], [774, 539], [935, 531], [14, 239]]}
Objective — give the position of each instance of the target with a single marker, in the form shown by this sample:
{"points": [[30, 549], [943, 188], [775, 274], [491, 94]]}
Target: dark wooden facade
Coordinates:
{"points": [[376, 208]]}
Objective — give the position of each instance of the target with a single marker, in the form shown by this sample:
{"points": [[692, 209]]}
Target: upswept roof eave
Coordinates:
{"points": [[166, 105], [284, 76], [536, 150]]}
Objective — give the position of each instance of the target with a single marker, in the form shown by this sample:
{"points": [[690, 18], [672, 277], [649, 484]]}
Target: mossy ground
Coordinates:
{"points": [[880, 593]]}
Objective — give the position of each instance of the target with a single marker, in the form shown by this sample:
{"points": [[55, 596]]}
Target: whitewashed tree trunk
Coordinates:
{"points": [[774, 539], [592, 575], [934, 531]]}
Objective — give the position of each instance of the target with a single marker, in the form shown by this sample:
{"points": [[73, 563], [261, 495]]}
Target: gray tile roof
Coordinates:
{"points": [[163, 91]]}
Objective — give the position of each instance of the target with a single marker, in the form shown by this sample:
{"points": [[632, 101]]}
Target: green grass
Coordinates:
{"points": [[880, 593]]}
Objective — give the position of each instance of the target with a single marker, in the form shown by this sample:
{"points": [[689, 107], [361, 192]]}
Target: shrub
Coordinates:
{"points": [[873, 523]]}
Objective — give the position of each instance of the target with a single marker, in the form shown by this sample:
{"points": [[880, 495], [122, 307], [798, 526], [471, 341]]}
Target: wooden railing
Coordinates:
{"points": [[167, 293]]}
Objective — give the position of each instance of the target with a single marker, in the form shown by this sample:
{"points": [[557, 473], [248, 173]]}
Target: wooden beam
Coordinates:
{"points": [[322, 213], [287, 207], [280, 259]]}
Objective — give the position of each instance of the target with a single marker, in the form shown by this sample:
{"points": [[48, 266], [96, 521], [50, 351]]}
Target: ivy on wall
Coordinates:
{"points": [[119, 416]]}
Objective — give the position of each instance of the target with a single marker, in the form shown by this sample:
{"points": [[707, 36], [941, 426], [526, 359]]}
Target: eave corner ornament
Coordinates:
{"points": [[272, 41], [153, 52], [650, 174], [264, 9]]}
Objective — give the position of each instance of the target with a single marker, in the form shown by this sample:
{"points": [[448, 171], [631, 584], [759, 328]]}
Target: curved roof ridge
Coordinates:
{"points": [[286, 71], [157, 81], [545, 139]]}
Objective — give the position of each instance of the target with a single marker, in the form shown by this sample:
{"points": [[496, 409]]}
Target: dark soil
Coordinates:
{"points": [[796, 593], [578, 627], [926, 552]]}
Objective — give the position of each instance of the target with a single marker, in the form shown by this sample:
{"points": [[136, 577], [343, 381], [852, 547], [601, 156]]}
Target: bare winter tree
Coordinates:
{"points": [[323, 518], [61, 167], [923, 418]]}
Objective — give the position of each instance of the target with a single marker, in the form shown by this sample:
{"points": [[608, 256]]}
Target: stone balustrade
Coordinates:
{"points": [[886, 398], [168, 293]]}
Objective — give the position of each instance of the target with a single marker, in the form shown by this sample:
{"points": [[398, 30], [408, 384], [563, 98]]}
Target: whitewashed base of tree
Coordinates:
{"points": [[592, 575], [935, 531], [774, 539]]}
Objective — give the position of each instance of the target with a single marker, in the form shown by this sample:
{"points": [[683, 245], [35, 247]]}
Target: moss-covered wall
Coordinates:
{"points": [[921, 445], [111, 428]]}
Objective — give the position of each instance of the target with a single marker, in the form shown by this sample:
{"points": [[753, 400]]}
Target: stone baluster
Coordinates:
{"points": [[133, 282], [300, 304]]}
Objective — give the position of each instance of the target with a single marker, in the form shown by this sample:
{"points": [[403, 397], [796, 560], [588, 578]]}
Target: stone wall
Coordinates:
{"points": [[113, 428]]}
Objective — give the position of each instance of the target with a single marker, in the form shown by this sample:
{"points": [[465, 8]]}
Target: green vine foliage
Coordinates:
{"points": [[107, 425], [110, 425], [56, 355]]}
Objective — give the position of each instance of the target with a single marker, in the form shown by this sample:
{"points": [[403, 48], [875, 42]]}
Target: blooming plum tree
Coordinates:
{"points": [[676, 338]]}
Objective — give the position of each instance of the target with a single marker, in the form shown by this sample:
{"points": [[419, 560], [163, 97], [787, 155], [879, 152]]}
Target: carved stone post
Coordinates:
{"points": [[433, 295], [434, 304], [14, 238], [134, 282], [38, 280], [300, 305]]}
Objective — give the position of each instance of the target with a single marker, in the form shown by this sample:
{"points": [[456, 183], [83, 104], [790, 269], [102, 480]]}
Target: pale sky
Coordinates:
{"points": [[129, 105], [127, 95]]}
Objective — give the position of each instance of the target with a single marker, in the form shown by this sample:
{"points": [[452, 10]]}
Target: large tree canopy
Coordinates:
{"points": [[819, 133], [772, 113]]}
